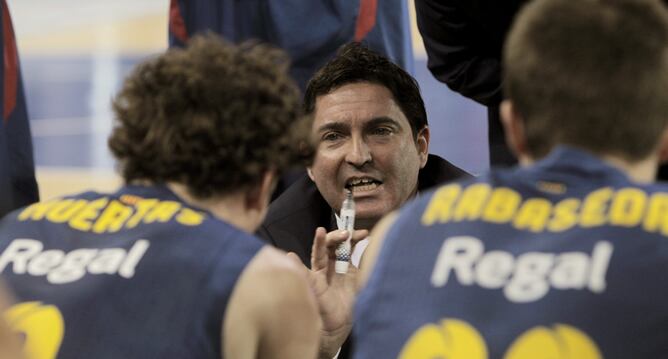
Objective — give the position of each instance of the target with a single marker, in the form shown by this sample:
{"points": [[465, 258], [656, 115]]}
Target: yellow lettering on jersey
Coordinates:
{"points": [[472, 202], [42, 325], [594, 208], [453, 339], [162, 212], [502, 205], [440, 206], [128, 212], [564, 215], [82, 221], [627, 207], [64, 210], [130, 199], [36, 211], [533, 214], [656, 218], [562, 342], [188, 217], [457, 339], [112, 218], [142, 206]]}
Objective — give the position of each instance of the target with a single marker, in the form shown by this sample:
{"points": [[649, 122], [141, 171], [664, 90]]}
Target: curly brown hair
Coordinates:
{"points": [[212, 116]]}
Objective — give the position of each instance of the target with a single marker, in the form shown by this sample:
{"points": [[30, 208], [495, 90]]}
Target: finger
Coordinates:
{"points": [[334, 238], [358, 235], [319, 252]]}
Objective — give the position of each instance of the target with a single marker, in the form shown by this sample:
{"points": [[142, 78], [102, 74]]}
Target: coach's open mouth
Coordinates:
{"points": [[363, 184]]}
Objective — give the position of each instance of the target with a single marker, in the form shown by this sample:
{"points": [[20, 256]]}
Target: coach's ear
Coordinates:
{"points": [[422, 144], [513, 124]]}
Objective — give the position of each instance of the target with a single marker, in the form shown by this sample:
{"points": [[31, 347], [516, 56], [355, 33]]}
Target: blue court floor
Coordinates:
{"points": [[75, 53]]}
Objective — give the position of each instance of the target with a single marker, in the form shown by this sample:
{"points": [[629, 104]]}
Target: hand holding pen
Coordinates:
{"points": [[335, 292]]}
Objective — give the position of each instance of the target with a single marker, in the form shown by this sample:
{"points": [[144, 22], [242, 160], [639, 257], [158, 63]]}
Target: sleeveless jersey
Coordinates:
{"points": [[134, 274], [563, 259]]}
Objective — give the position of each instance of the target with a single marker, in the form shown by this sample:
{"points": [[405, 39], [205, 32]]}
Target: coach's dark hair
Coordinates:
{"points": [[212, 116], [356, 63], [590, 73]]}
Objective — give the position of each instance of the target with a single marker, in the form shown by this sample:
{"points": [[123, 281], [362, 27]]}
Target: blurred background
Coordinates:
{"points": [[75, 53]]}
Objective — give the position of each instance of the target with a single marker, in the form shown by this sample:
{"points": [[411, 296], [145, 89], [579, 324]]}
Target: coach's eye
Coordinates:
{"points": [[382, 131], [331, 136]]}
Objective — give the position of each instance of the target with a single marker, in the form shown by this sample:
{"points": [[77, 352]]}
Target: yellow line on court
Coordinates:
{"points": [[59, 181], [128, 36]]}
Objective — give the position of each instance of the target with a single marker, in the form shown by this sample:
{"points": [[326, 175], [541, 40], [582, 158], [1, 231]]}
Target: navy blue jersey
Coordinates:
{"points": [[133, 274], [309, 31], [563, 259]]}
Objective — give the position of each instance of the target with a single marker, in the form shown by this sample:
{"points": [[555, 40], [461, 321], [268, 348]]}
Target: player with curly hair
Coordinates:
{"points": [[167, 267]]}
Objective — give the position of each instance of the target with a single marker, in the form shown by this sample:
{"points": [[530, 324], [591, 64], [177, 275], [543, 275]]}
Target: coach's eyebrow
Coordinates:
{"points": [[333, 126], [382, 120]]}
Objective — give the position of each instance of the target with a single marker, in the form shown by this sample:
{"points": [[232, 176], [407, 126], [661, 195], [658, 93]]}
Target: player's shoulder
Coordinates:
{"points": [[271, 262], [276, 269], [272, 271]]}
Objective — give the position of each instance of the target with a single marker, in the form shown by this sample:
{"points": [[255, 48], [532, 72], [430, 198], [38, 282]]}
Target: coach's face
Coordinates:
{"points": [[365, 144]]}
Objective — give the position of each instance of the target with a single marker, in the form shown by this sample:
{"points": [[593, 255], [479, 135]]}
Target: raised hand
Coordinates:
{"points": [[335, 293]]}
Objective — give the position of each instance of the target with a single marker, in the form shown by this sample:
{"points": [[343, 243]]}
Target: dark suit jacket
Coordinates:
{"points": [[464, 41], [294, 216]]}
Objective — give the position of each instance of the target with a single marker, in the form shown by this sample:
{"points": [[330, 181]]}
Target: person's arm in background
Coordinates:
{"points": [[272, 312], [457, 54]]}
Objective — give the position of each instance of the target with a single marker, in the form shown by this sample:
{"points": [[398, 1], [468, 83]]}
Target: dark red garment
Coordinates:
{"points": [[366, 18]]}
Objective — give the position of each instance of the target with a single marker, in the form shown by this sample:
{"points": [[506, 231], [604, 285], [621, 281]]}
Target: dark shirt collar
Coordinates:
{"points": [[578, 162]]}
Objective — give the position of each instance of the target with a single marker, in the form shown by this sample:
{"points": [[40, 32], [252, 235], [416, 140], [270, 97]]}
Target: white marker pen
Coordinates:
{"points": [[343, 251]]}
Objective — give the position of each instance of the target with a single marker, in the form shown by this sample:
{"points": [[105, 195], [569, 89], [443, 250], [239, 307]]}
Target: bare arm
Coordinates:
{"points": [[272, 312]]}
